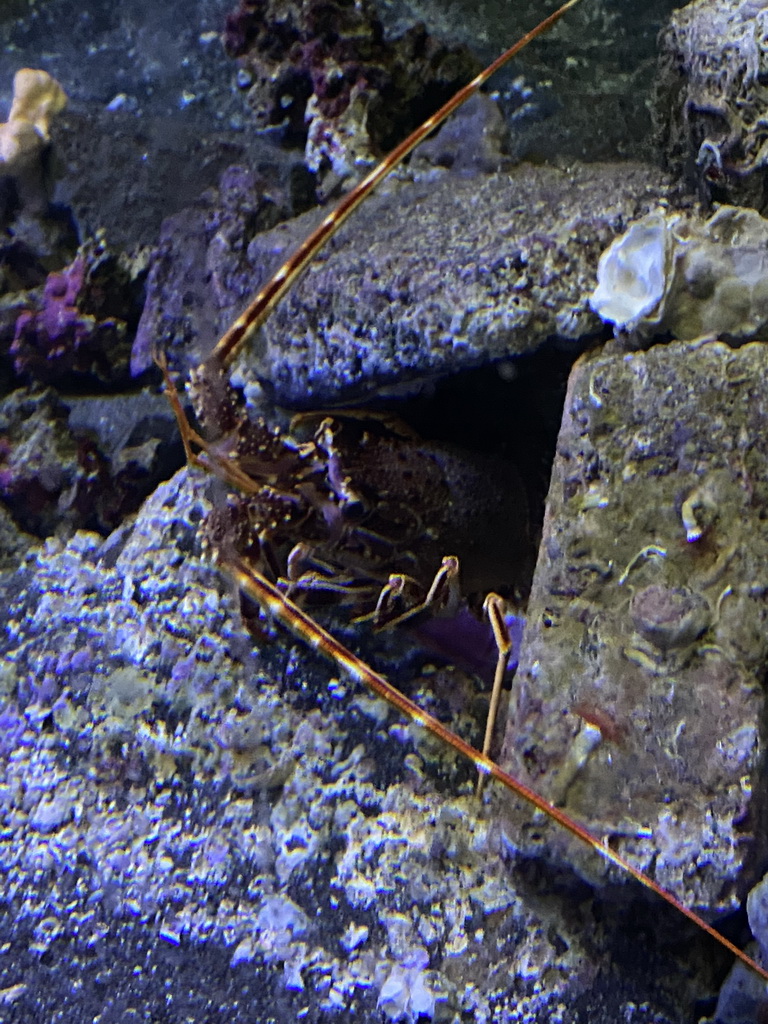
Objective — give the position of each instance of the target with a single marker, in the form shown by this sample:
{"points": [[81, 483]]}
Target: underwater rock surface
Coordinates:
{"points": [[330, 76], [168, 785], [197, 823], [86, 463], [638, 698], [693, 279], [710, 99], [444, 275], [434, 277]]}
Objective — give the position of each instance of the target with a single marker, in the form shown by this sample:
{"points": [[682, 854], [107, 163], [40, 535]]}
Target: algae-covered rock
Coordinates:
{"points": [[743, 997], [442, 275], [172, 785], [710, 98], [638, 698], [437, 276]]}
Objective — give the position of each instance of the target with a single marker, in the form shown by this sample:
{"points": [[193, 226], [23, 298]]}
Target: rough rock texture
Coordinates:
{"points": [[187, 261], [14, 543], [48, 480], [85, 318], [447, 274], [432, 277], [743, 997], [86, 463], [711, 95], [174, 793], [196, 823], [326, 72], [638, 700]]}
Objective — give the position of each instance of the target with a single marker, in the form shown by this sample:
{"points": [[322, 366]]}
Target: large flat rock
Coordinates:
{"points": [[431, 277], [446, 274]]}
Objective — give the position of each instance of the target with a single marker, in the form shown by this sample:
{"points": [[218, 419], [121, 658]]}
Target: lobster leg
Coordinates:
{"points": [[493, 608]]}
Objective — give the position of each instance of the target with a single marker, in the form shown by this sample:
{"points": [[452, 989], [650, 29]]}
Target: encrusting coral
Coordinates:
{"points": [[37, 98]]}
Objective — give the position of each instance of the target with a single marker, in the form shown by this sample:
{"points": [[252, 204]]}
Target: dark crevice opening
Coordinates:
{"points": [[507, 412]]}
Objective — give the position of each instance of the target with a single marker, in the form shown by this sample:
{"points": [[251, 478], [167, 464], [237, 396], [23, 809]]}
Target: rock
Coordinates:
{"points": [[84, 322], [443, 275], [683, 276], [710, 97], [86, 463], [43, 476], [743, 998], [646, 624], [151, 746], [327, 74], [14, 543], [438, 276], [182, 304]]}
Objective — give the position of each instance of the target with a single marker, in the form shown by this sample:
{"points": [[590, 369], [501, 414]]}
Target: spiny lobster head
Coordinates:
{"points": [[362, 492]]}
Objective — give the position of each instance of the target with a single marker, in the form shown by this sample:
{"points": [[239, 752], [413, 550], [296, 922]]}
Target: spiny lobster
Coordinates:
{"points": [[293, 488]]}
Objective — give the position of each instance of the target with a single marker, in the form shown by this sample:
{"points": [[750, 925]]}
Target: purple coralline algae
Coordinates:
{"points": [[84, 320]]}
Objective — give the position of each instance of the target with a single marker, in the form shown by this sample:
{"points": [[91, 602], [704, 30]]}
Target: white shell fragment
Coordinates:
{"points": [[631, 274], [676, 274]]}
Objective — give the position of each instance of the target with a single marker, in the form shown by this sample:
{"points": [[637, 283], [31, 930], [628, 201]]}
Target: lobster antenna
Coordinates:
{"points": [[232, 341], [275, 603]]}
